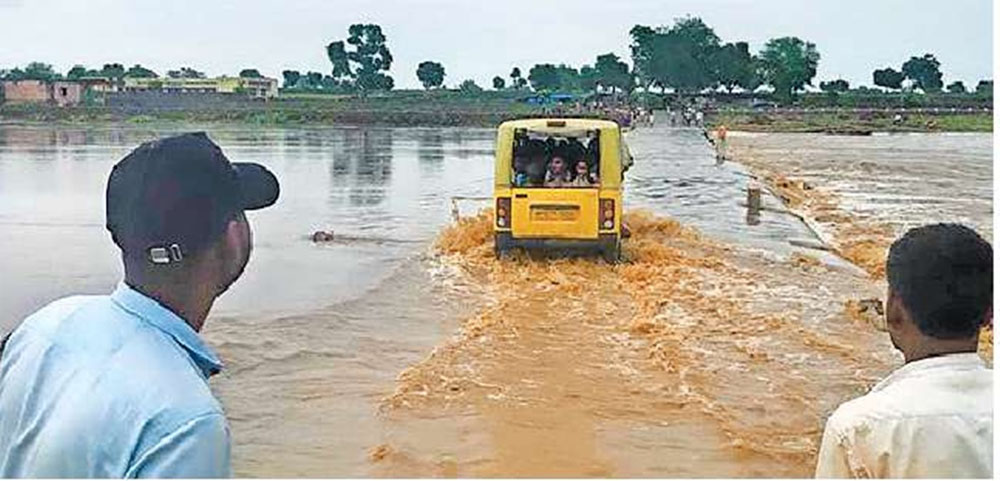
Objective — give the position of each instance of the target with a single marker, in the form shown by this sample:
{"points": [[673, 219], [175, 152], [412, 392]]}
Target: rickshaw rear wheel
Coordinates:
{"points": [[611, 251], [501, 245]]}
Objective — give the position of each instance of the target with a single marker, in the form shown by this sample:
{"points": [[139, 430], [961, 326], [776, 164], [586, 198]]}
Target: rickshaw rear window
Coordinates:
{"points": [[570, 159]]}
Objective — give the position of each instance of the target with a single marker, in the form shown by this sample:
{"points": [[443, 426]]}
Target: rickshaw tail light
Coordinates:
{"points": [[606, 218], [503, 212]]}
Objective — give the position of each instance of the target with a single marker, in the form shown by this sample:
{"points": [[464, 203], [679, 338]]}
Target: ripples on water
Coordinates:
{"points": [[898, 180], [314, 335], [691, 359]]}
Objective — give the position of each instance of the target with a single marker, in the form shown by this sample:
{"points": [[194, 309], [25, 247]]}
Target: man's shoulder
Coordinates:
{"points": [[77, 327], [49, 317], [115, 350], [967, 394], [859, 411]]}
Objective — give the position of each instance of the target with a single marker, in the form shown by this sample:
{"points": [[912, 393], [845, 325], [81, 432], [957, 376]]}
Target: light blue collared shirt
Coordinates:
{"points": [[109, 387]]}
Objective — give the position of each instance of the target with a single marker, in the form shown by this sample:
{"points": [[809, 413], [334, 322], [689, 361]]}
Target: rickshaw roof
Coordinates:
{"points": [[567, 125]]}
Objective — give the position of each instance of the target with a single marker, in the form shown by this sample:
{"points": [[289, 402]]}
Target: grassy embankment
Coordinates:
{"points": [[863, 112], [852, 122], [405, 108]]}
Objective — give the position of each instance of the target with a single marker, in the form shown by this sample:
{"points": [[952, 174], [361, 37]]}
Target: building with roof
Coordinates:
{"points": [[60, 92], [262, 87]]}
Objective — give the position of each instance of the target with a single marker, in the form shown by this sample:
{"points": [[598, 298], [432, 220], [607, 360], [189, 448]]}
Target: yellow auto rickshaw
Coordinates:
{"points": [[558, 185]]}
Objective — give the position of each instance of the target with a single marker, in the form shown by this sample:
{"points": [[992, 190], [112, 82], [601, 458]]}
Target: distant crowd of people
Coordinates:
{"points": [[626, 115], [686, 117]]}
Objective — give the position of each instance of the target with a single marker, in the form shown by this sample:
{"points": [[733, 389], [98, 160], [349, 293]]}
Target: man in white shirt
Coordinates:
{"points": [[933, 417]]}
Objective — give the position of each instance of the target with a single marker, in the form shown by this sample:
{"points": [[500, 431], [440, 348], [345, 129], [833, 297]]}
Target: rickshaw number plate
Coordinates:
{"points": [[555, 214]]}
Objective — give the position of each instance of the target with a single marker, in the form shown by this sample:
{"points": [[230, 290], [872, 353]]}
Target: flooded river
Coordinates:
{"points": [[864, 191], [404, 349]]}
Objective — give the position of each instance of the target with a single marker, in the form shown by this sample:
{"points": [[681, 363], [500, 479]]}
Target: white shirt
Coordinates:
{"points": [[930, 418]]}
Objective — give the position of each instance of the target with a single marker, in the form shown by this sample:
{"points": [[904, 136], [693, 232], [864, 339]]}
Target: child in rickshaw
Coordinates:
{"points": [[558, 174], [582, 175], [521, 162]]}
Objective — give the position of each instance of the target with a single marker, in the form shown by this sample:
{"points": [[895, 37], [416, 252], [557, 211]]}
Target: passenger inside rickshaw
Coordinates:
{"points": [[555, 161]]}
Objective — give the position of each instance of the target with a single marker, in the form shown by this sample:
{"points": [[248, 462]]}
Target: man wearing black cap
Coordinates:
{"points": [[116, 386]]}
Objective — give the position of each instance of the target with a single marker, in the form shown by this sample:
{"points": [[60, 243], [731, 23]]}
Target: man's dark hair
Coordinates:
{"points": [[943, 273]]}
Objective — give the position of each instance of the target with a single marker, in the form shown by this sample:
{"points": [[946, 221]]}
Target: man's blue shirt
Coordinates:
{"points": [[109, 386]]}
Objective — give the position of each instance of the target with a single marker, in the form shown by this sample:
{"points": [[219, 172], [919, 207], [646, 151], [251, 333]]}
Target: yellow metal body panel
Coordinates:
{"points": [[554, 213], [561, 213]]}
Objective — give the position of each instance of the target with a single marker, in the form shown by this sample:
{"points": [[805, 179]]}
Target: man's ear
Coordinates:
{"points": [[236, 234], [895, 312]]}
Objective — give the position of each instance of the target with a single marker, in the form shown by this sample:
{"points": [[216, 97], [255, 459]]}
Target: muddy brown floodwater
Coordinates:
{"points": [[862, 192], [402, 348], [691, 359]]}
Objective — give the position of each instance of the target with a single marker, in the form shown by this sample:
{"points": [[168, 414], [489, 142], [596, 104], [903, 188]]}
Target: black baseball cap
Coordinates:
{"points": [[174, 196]]}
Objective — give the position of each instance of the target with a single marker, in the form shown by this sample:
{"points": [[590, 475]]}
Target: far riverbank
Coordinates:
{"points": [[422, 109]]}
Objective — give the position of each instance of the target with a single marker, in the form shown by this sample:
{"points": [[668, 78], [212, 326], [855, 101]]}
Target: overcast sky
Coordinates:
{"points": [[476, 39]]}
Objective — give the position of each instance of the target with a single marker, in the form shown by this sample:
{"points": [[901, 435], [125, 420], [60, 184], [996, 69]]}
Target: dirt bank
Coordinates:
{"points": [[691, 359]]}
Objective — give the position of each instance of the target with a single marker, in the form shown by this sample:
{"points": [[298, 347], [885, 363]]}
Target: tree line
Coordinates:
{"points": [[686, 57], [110, 71]]}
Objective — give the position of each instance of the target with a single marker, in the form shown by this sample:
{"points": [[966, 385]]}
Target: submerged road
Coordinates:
{"points": [[714, 351]]}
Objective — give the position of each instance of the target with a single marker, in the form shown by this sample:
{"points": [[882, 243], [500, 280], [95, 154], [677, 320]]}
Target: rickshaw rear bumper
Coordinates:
{"points": [[505, 241]]}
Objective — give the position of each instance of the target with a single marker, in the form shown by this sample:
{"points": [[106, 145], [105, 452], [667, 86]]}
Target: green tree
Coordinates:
{"points": [[642, 48], [588, 78], [78, 71], [138, 71], [888, 78], [516, 80], [568, 78], [314, 80], [367, 58], [984, 87], [39, 71], [250, 73], [469, 87], [113, 71], [683, 57], [839, 85], [431, 74], [499, 83], [612, 73], [733, 67], [691, 44], [291, 78], [788, 64], [957, 87], [14, 74], [185, 72], [544, 77], [925, 72], [329, 83]]}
